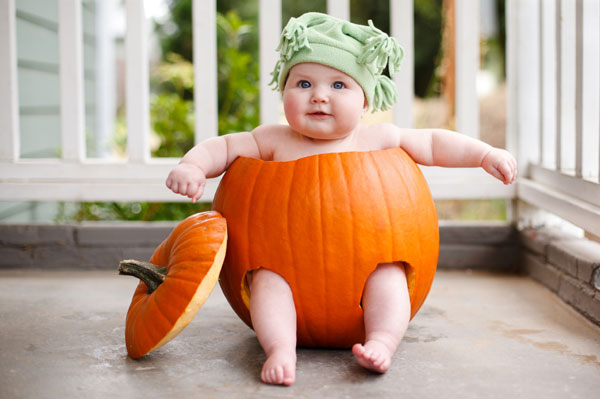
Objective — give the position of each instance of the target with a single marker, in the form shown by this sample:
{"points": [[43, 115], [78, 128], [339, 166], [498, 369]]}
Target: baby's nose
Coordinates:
{"points": [[319, 95]]}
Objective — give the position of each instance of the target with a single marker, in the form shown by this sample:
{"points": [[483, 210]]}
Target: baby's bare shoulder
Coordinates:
{"points": [[271, 137], [380, 136]]}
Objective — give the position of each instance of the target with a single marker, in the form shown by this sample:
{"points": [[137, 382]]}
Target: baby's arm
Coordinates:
{"points": [[438, 147], [209, 159]]}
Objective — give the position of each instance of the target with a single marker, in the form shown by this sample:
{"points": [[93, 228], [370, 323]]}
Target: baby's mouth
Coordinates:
{"points": [[319, 114]]}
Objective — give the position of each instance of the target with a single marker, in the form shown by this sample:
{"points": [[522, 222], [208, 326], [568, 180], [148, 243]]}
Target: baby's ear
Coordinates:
{"points": [[365, 105]]}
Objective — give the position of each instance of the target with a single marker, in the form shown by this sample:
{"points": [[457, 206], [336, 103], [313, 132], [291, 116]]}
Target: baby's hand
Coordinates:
{"points": [[187, 179], [500, 164]]}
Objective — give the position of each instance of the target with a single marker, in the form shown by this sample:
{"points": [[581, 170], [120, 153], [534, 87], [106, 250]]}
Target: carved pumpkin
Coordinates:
{"points": [[169, 296], [324, 222]]}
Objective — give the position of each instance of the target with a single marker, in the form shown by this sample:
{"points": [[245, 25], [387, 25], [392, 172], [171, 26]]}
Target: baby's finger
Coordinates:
{"points": [[192, 189], [497, 174], [198, 193]]}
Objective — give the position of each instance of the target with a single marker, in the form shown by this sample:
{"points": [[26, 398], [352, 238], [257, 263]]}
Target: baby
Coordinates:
{"points": [[330, 74]]}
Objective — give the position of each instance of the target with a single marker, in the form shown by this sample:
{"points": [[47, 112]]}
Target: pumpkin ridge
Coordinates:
{"points": [[248, 216], [288, 231], [294, 253], [390, 225], [411, 197], [320, 241], [349, 201], [161, 310], [398, 168]]}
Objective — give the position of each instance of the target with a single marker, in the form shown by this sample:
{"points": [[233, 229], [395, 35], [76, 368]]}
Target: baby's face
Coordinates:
{"points": [[322, 102]]}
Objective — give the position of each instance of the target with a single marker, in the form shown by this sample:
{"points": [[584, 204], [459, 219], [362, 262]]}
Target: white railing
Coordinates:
{"points": [[74, 177], [532, 133], [554, 105]]}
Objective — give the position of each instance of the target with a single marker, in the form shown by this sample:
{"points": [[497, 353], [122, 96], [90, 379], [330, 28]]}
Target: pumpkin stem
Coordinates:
{"points": [[150, 274]]}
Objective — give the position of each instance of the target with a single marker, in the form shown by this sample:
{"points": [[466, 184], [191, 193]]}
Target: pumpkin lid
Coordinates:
{"points": [[176, 282]]}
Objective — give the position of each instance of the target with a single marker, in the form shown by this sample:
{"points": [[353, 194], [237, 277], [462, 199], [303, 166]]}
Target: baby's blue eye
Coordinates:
{"points": [[305, 84], [338, 85]]}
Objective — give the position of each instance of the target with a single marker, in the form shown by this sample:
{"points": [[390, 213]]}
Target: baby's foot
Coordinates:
{"points": [[280, 368], [373, 355]]}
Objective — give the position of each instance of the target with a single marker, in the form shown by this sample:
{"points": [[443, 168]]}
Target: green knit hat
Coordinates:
{"points": [[360, 51]]}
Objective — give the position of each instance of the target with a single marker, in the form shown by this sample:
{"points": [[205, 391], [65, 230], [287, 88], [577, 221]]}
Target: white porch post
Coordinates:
{"points": [[72, 100], [137, 85], [206, 108], [401, 21], [269, 21], [9, 100], [467, 66], [339, 9]]}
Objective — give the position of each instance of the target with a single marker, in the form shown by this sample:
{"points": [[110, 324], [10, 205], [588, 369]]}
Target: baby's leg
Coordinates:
{"points": [[274, 320], [386, 306]]}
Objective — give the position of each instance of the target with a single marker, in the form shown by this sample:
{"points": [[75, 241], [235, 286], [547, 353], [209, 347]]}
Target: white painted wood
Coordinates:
{"points": [[465, 183], [567, 94], [467, 66], [204, 13], [512, 82], [559, 74], [9, 100], [339, 9], [106, 82], [580, 213], [109, 181], [541, 80], [576, 187], [72, 100], [548, 95], [269, 21], [527, 90], [53, 169], [137, 84], [579, 88], [402, 28], [132, 190], [91, 180], [590, 109]]}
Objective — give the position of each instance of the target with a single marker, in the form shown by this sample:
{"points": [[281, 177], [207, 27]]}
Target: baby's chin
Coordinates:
{"points": [[322, 135]]}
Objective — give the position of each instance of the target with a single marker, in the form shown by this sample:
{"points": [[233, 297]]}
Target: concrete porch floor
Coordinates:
{"points": [[478, 335]]}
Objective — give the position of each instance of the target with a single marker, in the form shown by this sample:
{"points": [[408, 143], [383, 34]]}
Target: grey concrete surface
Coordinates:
{"points": [[479, 335]]}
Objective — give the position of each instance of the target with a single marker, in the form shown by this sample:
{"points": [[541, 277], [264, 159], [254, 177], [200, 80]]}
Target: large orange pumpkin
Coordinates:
{"points": [[324, 222], [175, 283]]}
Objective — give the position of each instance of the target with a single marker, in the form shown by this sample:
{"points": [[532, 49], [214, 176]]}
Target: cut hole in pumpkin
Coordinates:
{"points": [[246, 288], [408, 271]]}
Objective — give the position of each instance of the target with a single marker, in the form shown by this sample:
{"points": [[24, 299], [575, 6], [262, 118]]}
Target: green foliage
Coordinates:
{"points": [[134, 211], [237, 74], [428, 41], [172, 110]]}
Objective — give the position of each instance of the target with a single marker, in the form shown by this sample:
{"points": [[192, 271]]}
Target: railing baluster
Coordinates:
{"points": [[137, 85], [9, 100], [269, 22], [401, 15], [579, 88], [590, 87], [558, 113], [72, 100], [467, 67], [542, 132], [204, 16], [512, 82], [339, 9]]}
